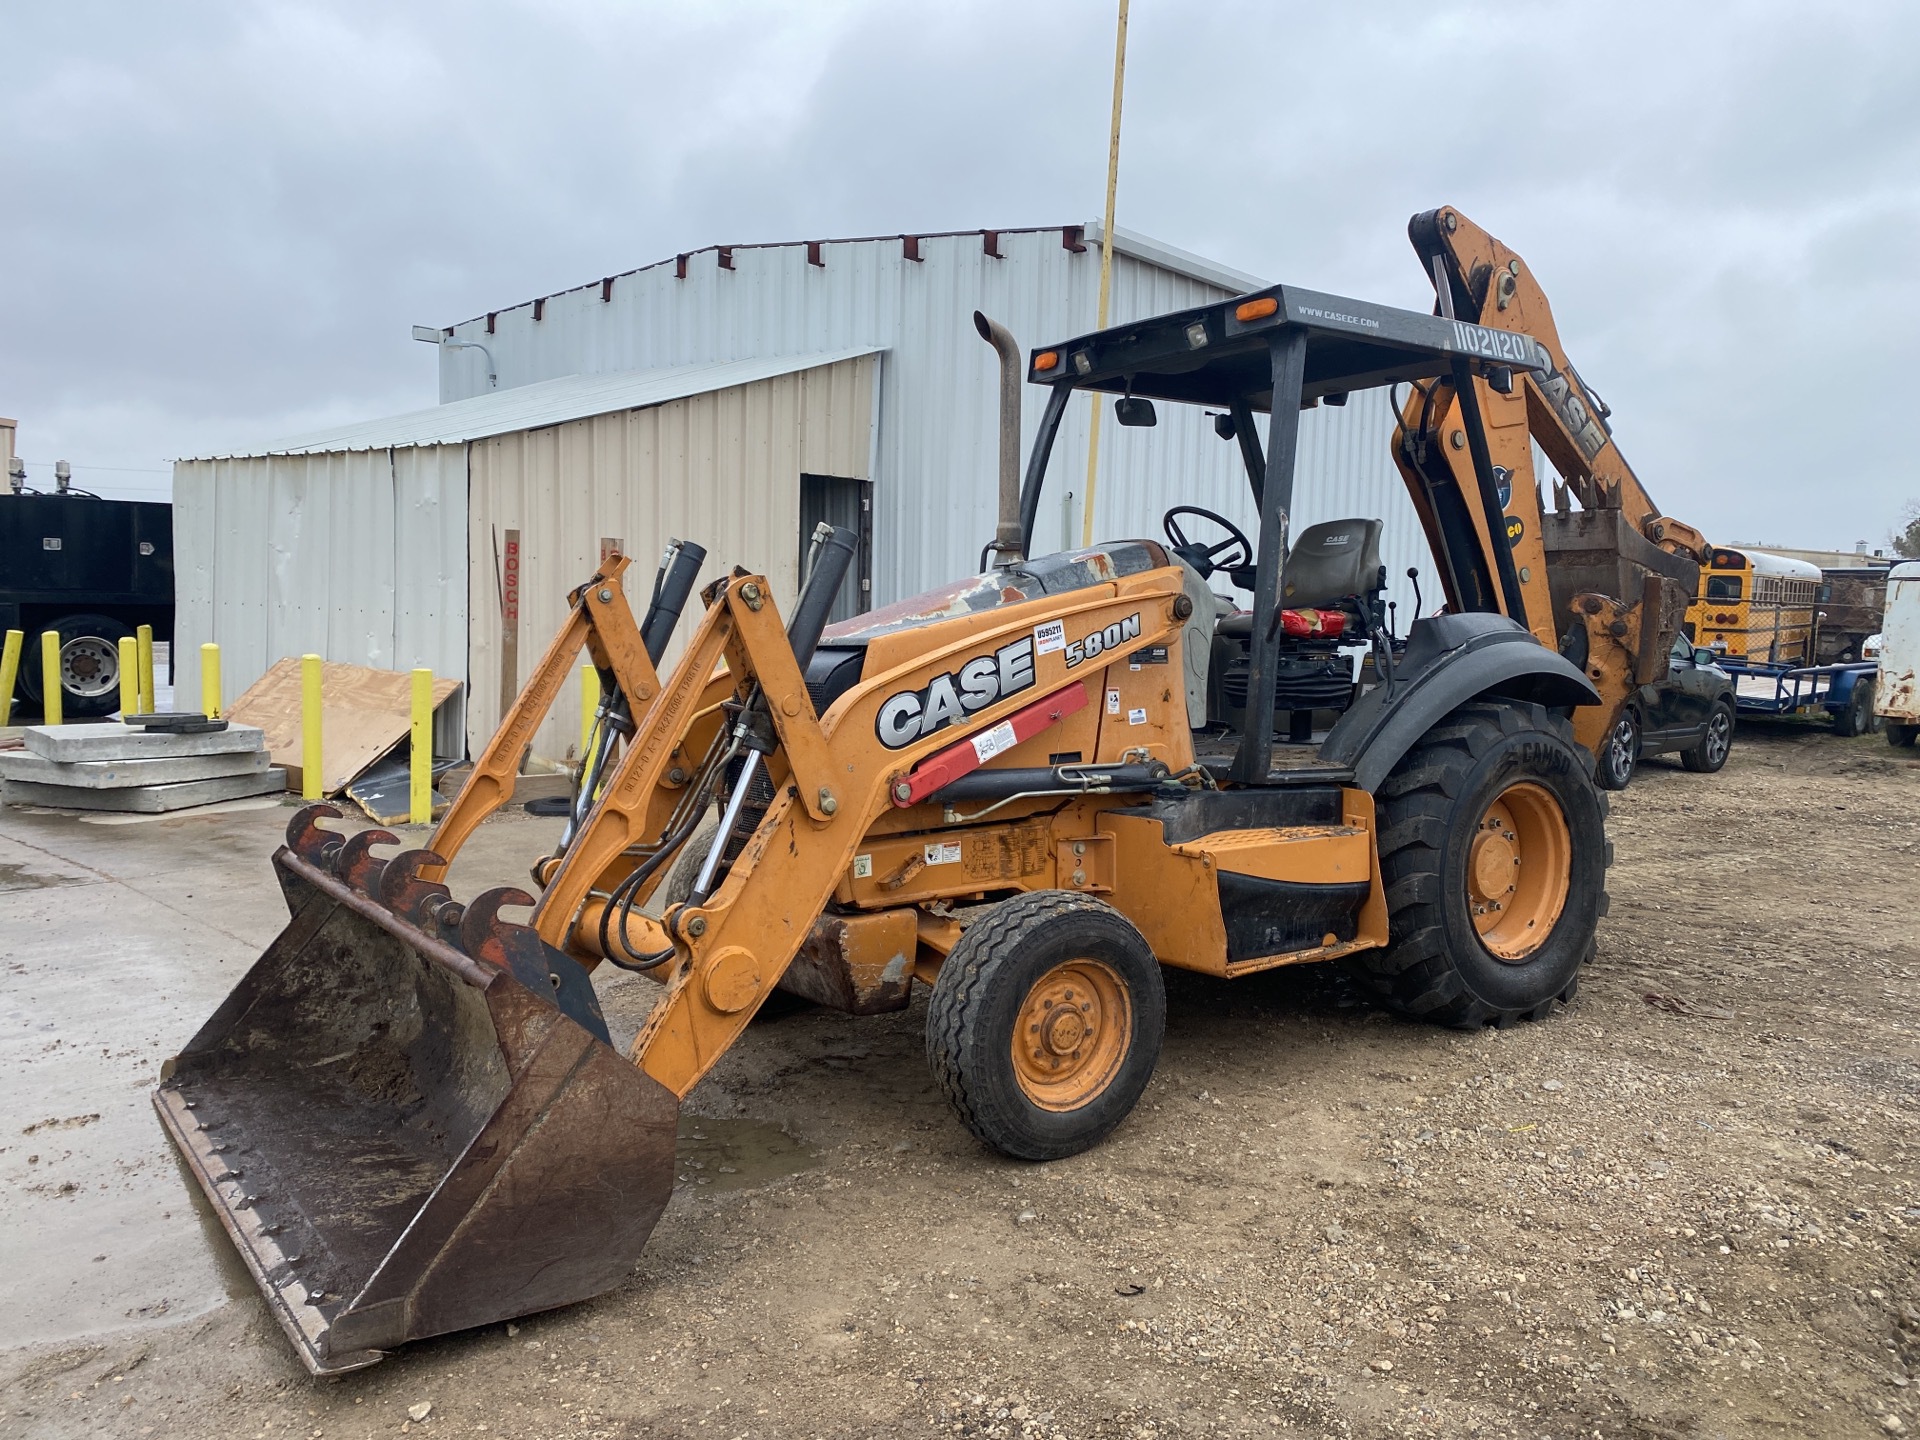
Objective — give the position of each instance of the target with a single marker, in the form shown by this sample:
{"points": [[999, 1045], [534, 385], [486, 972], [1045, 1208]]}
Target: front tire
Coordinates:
{"points": [[1493, 851], [1709, 757], [1045, 1024], [1619, 755]]}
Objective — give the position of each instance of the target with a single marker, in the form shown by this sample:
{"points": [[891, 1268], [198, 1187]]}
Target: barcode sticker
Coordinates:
{"points": [[1050, 637], [1137, 716]]}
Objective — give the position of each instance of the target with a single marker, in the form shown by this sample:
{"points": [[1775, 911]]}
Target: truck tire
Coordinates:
{"points": [[1856, 716], [1493, 850], [89, 665], [1619, 755], [1709, 757], [1045, 1023], [1901, 735]]}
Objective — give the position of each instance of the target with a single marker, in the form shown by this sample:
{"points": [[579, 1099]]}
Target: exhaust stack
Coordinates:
{"points": [[1007, 538]]}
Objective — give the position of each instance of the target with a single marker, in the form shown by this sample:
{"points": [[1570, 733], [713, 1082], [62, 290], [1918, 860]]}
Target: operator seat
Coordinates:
{"points": [[1333, 567]]}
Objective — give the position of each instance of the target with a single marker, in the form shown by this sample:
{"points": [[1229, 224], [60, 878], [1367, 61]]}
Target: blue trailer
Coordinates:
{"points": [[1844, 692]]}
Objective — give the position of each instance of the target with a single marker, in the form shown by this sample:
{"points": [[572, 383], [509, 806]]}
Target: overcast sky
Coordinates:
{"points": [[222, 220]]}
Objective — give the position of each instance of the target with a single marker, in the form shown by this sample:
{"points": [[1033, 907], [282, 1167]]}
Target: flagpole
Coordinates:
{"points": [[1106, 263]]}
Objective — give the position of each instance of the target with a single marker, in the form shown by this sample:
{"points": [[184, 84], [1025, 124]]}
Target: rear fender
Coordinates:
{"points": [[1450, 660]]}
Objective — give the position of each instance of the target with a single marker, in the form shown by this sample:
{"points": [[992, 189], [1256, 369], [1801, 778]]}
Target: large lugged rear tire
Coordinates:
{"points": [[1045, 1023], [1494, 852]]}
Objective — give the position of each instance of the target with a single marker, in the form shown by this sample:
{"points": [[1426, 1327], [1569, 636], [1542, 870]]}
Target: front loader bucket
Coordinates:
{"points": [[407, 1115]]}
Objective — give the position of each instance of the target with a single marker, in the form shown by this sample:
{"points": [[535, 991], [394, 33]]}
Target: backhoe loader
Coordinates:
{"points": [[1608, 584], [1008, 792]]}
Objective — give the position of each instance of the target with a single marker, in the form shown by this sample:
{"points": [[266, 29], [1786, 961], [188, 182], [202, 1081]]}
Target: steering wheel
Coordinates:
{"points": [[1233, 553]]}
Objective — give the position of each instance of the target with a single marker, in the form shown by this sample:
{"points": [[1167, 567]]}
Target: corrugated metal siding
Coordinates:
{"points": [[550, 402], [722, 469], [935, 464], [358, 557]]}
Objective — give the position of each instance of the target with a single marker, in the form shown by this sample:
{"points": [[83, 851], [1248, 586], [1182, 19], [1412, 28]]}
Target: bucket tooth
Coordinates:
{"points": [[307, 840], [403, 891], [535, 964], [356, 864], [415, 1134]]}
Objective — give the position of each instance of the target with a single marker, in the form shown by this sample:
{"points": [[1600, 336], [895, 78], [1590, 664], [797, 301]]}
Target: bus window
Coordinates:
{"points": [[1723, 587]]}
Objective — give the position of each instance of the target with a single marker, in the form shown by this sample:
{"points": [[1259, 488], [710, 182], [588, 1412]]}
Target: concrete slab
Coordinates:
{"points": [[114, 741], [146, 799], [119, 774]]}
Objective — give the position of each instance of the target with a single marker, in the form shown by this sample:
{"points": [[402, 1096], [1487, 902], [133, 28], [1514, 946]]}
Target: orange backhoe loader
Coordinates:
{"points": [[1609, 583], [1013, 792]]}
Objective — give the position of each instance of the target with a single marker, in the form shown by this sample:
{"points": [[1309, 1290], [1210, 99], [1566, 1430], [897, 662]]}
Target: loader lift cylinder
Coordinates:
{"points": [[833, 554]]}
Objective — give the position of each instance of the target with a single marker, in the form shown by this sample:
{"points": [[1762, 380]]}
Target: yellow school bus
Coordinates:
{"points": [[1756, 607]]}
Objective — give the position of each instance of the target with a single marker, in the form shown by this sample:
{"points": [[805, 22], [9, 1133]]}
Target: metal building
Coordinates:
{"points": [[393, 543], [914, 296], [732, 395]]}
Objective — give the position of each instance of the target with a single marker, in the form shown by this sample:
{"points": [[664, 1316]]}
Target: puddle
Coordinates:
{"points": [[19, 877], [736, 1154]]}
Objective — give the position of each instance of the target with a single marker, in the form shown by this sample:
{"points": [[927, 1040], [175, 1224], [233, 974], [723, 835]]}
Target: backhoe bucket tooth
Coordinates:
{"points": [[401, 1135]]}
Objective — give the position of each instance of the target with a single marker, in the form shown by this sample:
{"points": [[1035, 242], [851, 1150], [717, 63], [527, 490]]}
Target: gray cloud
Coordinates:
{"points": [[221, 220]]}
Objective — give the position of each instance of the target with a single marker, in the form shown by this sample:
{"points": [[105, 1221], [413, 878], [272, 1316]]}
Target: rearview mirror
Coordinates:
{"points": [[1704, 656], [1135, 410]]}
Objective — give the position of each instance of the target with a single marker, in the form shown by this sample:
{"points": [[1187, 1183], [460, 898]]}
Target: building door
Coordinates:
{"points": [[846, 505]]}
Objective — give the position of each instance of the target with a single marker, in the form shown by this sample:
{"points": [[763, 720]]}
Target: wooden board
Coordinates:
{"points": [[364, 713]]}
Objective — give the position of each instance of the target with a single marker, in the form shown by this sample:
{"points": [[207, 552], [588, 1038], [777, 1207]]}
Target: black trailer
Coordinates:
{"points": [[91, 570]]}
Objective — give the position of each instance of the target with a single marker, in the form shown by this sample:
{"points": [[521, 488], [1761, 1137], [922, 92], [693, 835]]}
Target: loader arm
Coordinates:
{"points": [[1607, 584]]}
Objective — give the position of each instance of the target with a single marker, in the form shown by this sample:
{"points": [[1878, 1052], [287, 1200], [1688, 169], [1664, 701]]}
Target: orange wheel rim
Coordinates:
{"points": [[1519, 870], [1071, 1034]]}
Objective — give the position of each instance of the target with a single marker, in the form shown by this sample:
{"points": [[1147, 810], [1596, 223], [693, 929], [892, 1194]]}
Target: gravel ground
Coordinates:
{"points": [[1687, 1206]]}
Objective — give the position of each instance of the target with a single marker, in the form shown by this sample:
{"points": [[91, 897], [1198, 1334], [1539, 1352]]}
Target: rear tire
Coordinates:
{"points": [[1619, 756], [1709, 757], [1045, 1024], [1493, 785], [1901, 735], [1856, 716], [89, 665]]}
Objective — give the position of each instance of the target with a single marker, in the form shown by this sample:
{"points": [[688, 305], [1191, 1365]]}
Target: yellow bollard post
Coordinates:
{"points": [[310, 727], [210, 702], [129, 677], [420, 749], [143, 639], [589, 702], [50, 693], [10, 672]]}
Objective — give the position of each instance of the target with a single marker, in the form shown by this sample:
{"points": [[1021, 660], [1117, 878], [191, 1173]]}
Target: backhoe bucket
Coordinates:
{"points": [[407, 1115]]}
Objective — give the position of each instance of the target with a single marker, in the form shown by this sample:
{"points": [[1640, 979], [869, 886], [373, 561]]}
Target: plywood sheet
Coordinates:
{"points": [[364, 713]]}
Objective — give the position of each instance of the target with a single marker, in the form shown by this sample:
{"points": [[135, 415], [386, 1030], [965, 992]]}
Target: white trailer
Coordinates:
{"points": [[1897, 696]]}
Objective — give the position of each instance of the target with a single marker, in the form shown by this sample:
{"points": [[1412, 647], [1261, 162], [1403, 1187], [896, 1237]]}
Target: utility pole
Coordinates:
{"points": [[1106, 263]]}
